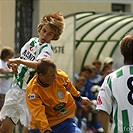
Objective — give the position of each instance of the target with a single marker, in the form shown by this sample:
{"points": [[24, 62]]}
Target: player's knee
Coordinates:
{"points": [[6, 129]]}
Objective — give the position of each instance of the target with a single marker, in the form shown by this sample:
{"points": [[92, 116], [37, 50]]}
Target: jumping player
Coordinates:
{"points": [[50, 28], [117, 93]]}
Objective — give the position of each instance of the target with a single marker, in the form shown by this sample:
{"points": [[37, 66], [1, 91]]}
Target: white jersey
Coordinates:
{"points": [[33, 50], [117, 92], [4, 82]]}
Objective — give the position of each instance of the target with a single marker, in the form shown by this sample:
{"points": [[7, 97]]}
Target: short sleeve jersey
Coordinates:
{"points": [[33, 50], [117, 93], [51, 105]]}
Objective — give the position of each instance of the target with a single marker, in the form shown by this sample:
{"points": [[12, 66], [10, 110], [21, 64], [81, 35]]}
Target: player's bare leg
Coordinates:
{"points": [[25, 130], [7, 126]]}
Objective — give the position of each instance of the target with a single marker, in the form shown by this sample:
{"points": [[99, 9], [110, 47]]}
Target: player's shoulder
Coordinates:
{"points": [[61, 73], [32, 41], [115, 74], [35, 39], [121, 71], [45, 45]]}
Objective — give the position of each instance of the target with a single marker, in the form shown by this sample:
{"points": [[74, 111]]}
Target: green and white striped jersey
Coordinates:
{"points": [[32, 50], [117, 93]]}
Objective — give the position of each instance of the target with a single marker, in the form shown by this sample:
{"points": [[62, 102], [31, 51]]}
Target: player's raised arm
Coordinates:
{"points": [[28, 63]]}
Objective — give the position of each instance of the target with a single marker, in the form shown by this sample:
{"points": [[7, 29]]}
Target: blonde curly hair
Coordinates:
{"points": [[55, 20]]}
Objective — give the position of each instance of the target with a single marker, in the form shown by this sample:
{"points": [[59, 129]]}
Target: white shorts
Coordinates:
{"points": [[15, 107]]}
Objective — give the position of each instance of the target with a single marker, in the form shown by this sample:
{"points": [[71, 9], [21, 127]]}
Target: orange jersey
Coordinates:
{"points": [[51, 105]]}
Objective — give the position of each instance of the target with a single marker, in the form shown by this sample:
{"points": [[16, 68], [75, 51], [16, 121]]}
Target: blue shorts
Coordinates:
{"points": [[67, 126]]}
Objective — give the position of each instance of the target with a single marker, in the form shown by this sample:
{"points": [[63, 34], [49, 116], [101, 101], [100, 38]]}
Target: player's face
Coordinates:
{"points": [[85, 74], [46, 34], [92, 74], [50, 77], [98, 66], [79, 85]]}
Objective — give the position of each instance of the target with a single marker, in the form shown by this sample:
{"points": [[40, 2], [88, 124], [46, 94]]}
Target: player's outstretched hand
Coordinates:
{"points": [[85, 102], [13, 64]]}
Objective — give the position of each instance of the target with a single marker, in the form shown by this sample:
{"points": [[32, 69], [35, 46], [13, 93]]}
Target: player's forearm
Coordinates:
{"points": [[30, 64], [104, 119]]}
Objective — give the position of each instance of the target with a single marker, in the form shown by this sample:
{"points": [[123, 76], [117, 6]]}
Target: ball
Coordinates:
{"points": [[95, 89]]}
